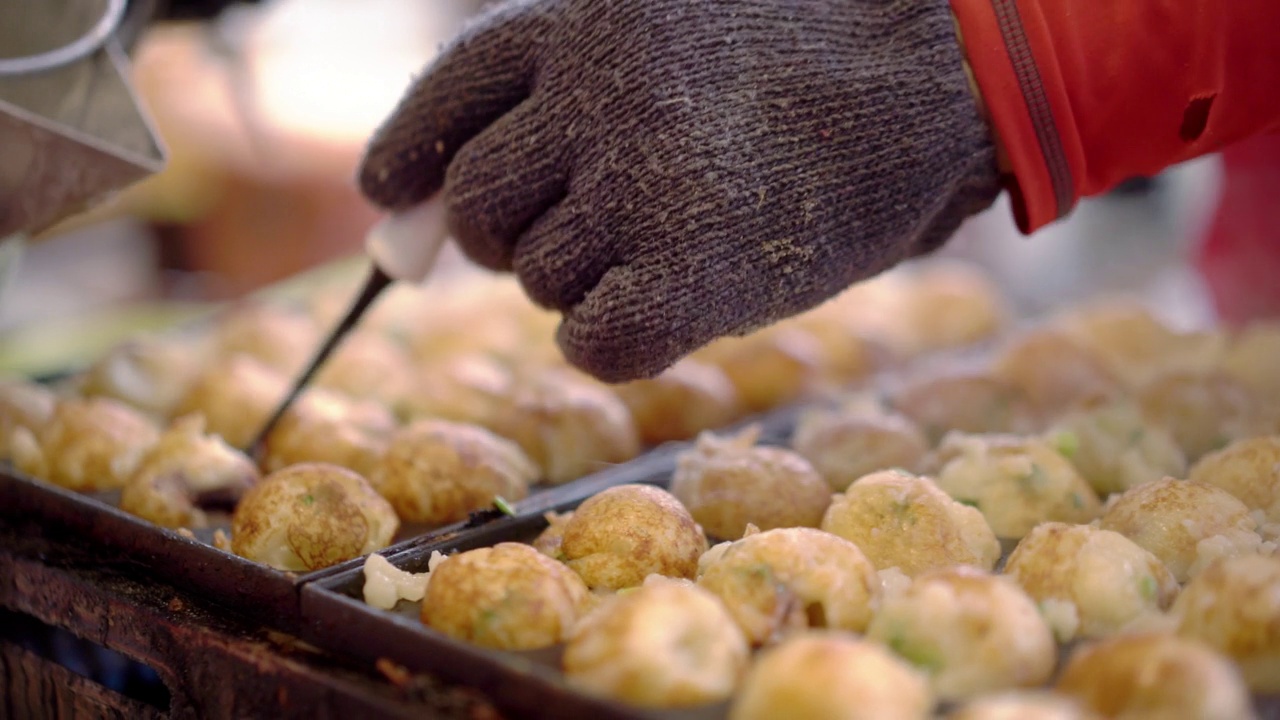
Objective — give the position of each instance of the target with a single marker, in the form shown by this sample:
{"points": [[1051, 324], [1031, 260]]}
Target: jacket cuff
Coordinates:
{"points": [[1086, 95], [1025, 99]]}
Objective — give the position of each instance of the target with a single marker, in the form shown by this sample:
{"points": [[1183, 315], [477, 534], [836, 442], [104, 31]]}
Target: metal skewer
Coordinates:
{"points": [[377, 281], [403, 247]]}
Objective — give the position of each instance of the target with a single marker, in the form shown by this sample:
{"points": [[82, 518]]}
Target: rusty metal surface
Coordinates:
{"points": [[30, 686], [213, 665]]}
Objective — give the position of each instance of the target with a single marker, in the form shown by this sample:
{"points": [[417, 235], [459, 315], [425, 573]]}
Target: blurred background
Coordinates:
{"points": [[264, 109]]}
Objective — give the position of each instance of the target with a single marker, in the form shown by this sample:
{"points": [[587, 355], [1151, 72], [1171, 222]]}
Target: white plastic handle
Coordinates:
{"points": [[405, 245]]}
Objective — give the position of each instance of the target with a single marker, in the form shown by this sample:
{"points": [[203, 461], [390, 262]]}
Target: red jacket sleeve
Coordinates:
{"points": [[1084, 95]]}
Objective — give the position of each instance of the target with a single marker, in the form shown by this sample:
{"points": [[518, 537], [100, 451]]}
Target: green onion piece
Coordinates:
{"points": [[1067, 443], [924, 658], [1147, 586]]}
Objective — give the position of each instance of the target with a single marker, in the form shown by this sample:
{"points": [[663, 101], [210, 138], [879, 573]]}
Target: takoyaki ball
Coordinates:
{"points": [[1016, 482], [780, 581], [311, 516], [185, 471], [622, 535], [1248, 469], [551, 538], [848, 353], [1203, 411], [458, 335], [1234, 606], [872, 308], [149, 374], [681, 402], [770, 367], [972, 402], [844, 444], [467, 388], [235, 395], [1138, 345], [972, 632], [1152, 676], [368, 365], [568, 425], [1099, 580], [86, 445], [831, 675], [437, 472], [1252, 357], [487, 315], [666, 644], [25, 405], [1114, 447], [1055, 371], [328, 428], [905, 521], [277, 337], [729, 481], [951, 304], [1023, 705], [1185, 524], [507, 597]]}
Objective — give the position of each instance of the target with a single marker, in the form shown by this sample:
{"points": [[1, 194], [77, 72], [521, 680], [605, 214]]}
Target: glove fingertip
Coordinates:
{"points": [[394, 178], [606, 363], [616, 340]]}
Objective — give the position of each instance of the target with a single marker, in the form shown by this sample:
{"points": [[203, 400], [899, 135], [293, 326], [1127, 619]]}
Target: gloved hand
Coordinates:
{"points": [[666, 172]]}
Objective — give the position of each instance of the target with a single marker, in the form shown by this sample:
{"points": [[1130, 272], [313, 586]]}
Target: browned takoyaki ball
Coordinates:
{"points": [[730, 482], [844, 444], [666, 644], [324, 427], [688, 398], [150, 374], [965, 401], [1155, 675], [619, 537], [235, 395], [311, 516], [436, 472], [907, 522], [87, 444], [1055, 371], [509, 597], [278, 337], [185, 471], [23, 404], [569, 425]]}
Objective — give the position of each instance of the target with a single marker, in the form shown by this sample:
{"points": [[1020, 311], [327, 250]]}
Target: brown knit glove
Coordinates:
{"points": [[665, 172]]}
